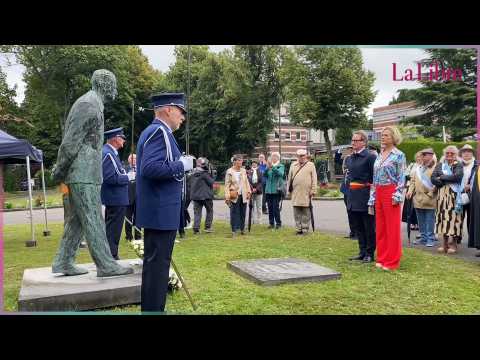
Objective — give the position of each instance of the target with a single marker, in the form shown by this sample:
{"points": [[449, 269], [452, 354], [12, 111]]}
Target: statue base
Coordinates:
{"points": [[43, 291]]}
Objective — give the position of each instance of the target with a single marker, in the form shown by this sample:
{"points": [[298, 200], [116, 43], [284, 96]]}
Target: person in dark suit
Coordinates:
{"points": [[344, 189], [114, 191], [360, 177], [160, 174], [130, 212]]}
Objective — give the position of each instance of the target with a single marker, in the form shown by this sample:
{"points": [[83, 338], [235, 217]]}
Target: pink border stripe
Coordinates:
{"points": [[2, 198]]}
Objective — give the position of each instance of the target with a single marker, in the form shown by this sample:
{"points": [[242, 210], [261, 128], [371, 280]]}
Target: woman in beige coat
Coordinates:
{"points": [[237, 194], [424, 196], [302, 184]]}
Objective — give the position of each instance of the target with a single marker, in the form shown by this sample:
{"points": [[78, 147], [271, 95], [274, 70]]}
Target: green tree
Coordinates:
{"points": [[56, 76], [10, 120], [403, 96], [231, 97], [450, 103], [328, 88]]}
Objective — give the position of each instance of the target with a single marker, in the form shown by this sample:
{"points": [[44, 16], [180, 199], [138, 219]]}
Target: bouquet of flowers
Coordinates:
{"points": [[173, 281]]}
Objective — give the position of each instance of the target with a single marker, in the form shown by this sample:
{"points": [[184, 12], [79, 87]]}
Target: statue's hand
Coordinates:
{"points": [[57, 175]]}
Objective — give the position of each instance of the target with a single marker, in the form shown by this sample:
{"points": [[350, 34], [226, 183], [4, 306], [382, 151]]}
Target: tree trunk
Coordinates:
{"points": [[331, 163]]}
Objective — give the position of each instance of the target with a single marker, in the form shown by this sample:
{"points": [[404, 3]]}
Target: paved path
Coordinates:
{"points": [[330, 217]]}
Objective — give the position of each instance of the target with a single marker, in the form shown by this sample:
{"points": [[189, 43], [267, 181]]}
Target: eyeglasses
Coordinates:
{"points": [[355, 140], [449, 153]]}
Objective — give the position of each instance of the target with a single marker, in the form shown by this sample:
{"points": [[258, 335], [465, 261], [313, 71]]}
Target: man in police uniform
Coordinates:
{"points": [[114, 191], [160, 174]]}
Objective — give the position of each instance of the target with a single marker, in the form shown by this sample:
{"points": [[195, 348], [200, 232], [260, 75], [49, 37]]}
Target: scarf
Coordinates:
{"points": [[423, 177], [457, 188], [254, 176], [467, 169]]}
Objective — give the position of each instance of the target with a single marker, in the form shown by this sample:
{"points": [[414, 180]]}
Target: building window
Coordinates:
{"points": [[298, 136], [276, 136], [288, 136]]}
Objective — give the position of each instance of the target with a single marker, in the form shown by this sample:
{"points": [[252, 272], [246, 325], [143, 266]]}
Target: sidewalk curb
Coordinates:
{"points": [[35, 208]]}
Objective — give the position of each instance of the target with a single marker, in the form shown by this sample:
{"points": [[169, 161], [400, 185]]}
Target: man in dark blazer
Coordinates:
{"points": [[130, 212], [114, 192], [360, 177], [160, 174]]}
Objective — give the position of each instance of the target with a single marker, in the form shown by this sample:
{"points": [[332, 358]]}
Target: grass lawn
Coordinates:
{"points": [[19, 199], [425, 283]]}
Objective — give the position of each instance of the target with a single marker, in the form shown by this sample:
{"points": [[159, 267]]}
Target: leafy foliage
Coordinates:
{"points": [[328, 89], [449, 103], [56, 76]]}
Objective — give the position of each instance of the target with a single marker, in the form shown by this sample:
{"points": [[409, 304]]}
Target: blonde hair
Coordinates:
{"points": [[396, 135]]}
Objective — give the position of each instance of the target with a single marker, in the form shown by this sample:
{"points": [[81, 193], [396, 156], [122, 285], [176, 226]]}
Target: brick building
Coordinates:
{"points": [[293, 137], [392, 115]]}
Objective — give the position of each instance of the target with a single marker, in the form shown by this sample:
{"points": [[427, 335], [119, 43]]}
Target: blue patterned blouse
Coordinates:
{"points": [[389, 171]]}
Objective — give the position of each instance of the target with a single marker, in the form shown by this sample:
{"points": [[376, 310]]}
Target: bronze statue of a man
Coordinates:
{"points": [[79, 166]]}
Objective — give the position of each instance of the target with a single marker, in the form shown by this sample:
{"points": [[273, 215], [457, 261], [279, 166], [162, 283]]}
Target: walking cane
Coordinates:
{"points": [[180, 277]]}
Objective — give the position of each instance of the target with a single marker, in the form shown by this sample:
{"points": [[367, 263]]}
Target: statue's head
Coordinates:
{"points": [[105, 83]]}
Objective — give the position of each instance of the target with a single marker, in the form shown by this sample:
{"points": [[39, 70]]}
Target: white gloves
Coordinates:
{"points": [[131, 176], [187, 161]]}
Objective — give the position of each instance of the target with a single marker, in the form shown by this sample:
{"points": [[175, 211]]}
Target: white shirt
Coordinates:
{"points": [[238, 178], [114, 150], [164, 123], [467, 171]]}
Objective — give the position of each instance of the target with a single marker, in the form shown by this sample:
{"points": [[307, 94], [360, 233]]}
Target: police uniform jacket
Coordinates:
{"points": [[360, 169], [115, 179], [159, 180]]}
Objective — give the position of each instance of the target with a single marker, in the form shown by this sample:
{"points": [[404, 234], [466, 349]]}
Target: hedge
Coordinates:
{"points": [[410, 148]]}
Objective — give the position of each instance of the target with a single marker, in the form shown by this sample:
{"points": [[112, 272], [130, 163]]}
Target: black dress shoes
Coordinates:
{"points": [[358, 257], [367, 259]]}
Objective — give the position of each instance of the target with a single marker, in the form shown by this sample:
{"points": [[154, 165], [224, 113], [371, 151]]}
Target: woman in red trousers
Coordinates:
{"points": [[386, 196]]}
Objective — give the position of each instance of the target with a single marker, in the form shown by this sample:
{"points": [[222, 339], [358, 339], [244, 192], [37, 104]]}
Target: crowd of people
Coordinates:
{"points": [[436, 195], [439, 196]]}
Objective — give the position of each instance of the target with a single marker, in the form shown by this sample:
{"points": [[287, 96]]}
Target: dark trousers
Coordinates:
{"points": [[264, 199], [238, 211], [114, 217], [364, 225], [130, 215], [158, 247], [198, 206], [351, 224], [273, 202]]}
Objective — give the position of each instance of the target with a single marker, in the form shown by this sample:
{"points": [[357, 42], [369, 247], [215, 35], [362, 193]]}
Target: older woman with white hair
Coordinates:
{"points": [[447, 178], [469, 165], [273, 189]]}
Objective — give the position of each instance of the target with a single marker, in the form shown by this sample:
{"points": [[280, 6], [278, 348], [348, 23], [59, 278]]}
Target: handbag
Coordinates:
{"points": [[282, 189], [290, 185]]}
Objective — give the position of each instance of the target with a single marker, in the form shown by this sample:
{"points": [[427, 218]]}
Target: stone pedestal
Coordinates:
{"points": [[43, 291], [279, 271]]}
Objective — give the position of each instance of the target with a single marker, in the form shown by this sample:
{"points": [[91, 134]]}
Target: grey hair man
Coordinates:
{"points": [[79, 167]]}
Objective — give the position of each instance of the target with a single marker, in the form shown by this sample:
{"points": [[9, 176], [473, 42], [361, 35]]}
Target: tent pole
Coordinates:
{"points": [[31, 242], [46, 232]]}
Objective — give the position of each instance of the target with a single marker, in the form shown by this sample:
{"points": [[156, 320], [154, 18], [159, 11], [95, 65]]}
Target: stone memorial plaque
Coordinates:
{"points": [[278, 271], [43, 291]]}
